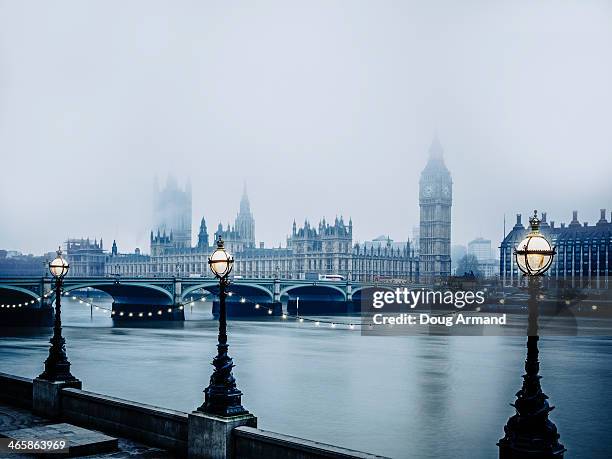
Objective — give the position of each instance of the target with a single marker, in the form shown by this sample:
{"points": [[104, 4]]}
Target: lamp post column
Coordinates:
{"points": [[57, 366], [222, 397], [529, 434], [47, 388], [210, 427]]}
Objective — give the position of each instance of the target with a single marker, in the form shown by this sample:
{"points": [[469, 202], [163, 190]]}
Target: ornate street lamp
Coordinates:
{"points": [[57, 366], [221, 397], [534, 254], [529, 433]]}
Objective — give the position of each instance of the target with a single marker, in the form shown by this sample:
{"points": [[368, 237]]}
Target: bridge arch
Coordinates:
{"points": [[108, 287], [207, 286], [286, 290], [204, 285], [25, 291]]}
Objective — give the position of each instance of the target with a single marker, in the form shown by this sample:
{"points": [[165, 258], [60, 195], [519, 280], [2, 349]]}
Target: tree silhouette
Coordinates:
{"points": [[468, 264]]}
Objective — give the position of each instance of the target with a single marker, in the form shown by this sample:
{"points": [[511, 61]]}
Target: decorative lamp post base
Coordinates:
{"points": [[222, 397], [529, 434], [222, 402], [58, 373], [530, 439], [57, 366]]}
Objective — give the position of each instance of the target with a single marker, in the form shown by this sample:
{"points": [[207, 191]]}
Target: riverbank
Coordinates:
{"points": [[196, 435]]}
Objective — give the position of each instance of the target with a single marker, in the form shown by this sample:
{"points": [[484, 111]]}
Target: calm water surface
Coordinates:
{"points": [[410, 396]]}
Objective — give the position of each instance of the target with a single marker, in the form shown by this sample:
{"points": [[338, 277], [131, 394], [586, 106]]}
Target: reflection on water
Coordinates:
{"points": [[401, 396]]}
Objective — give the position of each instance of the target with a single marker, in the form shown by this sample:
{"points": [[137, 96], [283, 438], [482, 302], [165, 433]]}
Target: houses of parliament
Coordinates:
{"points": [[311, 249]]}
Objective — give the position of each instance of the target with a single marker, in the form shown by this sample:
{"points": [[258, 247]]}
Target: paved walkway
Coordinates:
{"points": [[12, 418]]}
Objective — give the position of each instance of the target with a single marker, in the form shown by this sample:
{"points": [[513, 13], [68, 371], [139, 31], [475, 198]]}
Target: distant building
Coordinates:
{"points": [[435, 200], [480, 248], [172, 211], [233, 240], [86, 258], [203, 235], [311, 250], [416, 236], [457, 253], [322, 249], [584, 253], [245, 223], [384, 242], [128, 264], [489, 268], [241, 236]]}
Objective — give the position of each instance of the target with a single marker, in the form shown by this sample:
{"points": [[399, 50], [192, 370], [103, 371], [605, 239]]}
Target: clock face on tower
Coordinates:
{"points": [[428, 191], [446, 191]]}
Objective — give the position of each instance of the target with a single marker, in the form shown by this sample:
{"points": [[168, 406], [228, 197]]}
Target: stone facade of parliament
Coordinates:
{"points": [[311, 249]]}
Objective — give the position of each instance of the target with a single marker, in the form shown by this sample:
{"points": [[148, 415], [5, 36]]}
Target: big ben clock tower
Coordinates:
{"points": [[435, 200]]}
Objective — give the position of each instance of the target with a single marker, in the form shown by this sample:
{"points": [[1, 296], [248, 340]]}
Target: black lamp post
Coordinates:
{"points": [[529, 434], [57, 366], [221, 397]]}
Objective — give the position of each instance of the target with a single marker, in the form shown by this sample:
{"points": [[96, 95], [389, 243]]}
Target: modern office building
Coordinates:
{"points": [[481, 249]]}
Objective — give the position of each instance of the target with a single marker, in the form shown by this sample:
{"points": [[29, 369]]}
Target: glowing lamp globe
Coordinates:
{"points": [[59, 266], [221, 262], [534, 254]]}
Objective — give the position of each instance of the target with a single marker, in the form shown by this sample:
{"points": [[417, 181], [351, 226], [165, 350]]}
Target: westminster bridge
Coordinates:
{"points": [[29, 299]]}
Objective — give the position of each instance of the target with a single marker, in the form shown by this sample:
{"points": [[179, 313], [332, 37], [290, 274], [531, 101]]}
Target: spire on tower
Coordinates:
{"points": [[245, 206], [203, 235], [435, 150]]}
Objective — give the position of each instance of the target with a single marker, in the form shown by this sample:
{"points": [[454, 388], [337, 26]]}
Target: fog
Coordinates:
{"points": [[325, 108]]}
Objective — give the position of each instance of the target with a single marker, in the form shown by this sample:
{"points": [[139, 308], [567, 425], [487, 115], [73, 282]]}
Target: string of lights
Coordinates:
{"points": [[317, 322], [25, 303], [141, 314]]}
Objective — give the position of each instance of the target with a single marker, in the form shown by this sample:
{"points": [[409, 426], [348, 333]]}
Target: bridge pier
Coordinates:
{"points": [[46, 288], [26, 317], [27, 306], [276, 291], [178, 291], [318, 306], [349, 290], [249, 308]]}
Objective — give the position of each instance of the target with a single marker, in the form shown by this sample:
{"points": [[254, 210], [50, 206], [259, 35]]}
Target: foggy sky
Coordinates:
{"points": [[324, 108]]}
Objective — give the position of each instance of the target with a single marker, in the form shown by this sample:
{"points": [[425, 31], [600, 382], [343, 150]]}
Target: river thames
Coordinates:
{"points": [[400, 396]]}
